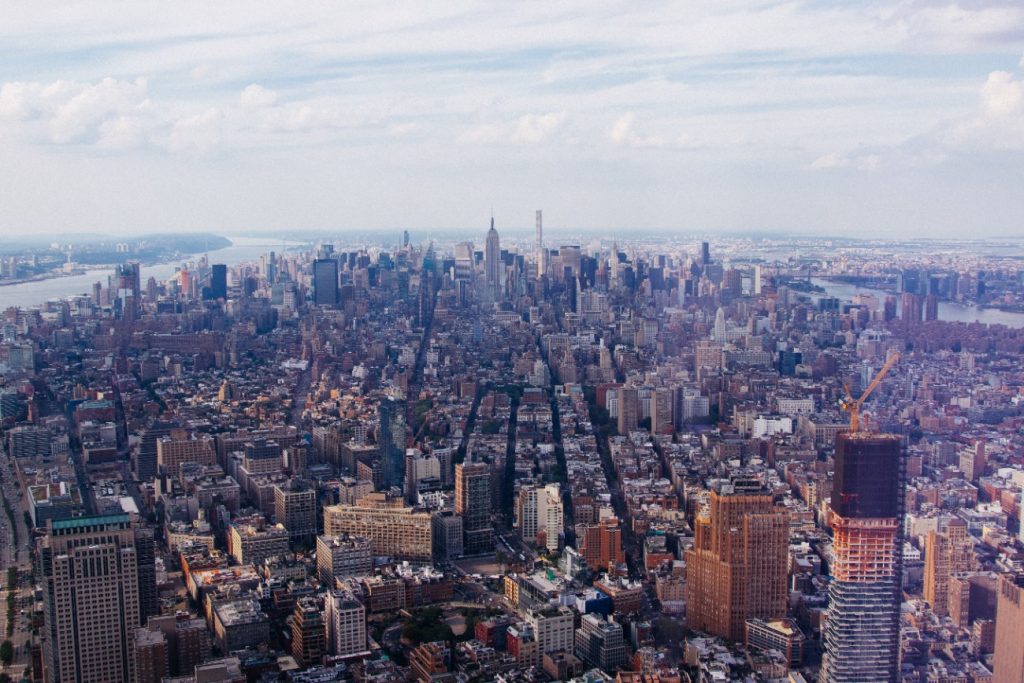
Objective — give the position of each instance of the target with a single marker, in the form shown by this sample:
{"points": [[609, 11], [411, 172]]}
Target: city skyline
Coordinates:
{"points": [[816, 118]]}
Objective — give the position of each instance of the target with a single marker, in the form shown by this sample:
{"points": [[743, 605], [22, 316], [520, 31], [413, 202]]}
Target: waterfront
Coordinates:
{"points": [[38, 292], [950, 312]]}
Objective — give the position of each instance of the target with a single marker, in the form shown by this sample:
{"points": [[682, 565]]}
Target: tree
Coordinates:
{"points": [[6, 652]]}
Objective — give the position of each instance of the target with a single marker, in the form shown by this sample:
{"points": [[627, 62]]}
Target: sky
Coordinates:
{"points": [[828, 117]]}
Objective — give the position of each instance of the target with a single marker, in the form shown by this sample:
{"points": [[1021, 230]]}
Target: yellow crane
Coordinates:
{"points": [[853, 407]]}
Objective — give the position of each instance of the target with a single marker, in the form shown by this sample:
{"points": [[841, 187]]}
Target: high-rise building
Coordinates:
{"points": [[325, 282], [346, 624], [1008, 666], [540, 515], [629, 409], [295, 508], [553, 628], [599, 642], [492, 261], [473, 504], [343, 556], [91, 599], [145, 458], [218, 281], [542, 254], [309, 636], [946, 553], [862, 627], [601, 544], [391, 442], [738, 566], [151, 656]]}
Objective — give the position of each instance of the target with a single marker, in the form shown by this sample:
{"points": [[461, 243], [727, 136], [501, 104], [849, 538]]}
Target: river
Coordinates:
{"points": [[947, 311], [242, 249]]}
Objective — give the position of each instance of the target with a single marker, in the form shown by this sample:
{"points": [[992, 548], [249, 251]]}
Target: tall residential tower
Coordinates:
{"points": [[862, 629]]}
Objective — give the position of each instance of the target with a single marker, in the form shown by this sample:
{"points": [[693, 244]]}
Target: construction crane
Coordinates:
{"points": [[853, 407]]}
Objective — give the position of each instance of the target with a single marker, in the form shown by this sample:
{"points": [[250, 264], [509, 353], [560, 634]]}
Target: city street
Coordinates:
{"points": [[15, 555]]}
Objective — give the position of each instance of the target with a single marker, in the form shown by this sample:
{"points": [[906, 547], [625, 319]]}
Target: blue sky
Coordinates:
{"points": [[809, 117]]}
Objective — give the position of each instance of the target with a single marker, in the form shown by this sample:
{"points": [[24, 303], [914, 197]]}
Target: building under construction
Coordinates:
{"points": [[862, 629]]}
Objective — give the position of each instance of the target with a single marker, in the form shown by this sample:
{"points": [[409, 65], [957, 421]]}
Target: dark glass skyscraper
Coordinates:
{"points": [[862, 629], [391, 442], [325, 282], [219, 281]]}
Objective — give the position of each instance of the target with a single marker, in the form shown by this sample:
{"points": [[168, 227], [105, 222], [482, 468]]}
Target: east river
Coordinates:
{"points": [[947, 311]]}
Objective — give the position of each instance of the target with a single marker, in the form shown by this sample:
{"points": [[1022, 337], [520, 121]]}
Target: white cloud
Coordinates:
{"points": [[257, 96], [528, 129], [196, 132], [830, 160], [534, 128]]}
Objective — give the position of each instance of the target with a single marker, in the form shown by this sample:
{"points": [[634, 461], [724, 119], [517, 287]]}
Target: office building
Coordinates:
{"points": [[325, 282], [144, 457], [179, 447], [629, 409], [492, 262], [309, 635], [600, 643], [861, 633], [238, 624], [346, 624], [251, 545], [393, 529], [295, 508], [391, 442], [343, 556], [218, 281], [738, 566], [946, 553], [553, 628], [782, 635], [89, 567], [473, 504]]}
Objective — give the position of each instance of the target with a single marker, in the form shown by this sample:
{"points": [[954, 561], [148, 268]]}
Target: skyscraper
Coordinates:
{"points": [[738, 566], [492, 261], [91, 599], [539, 515], [473, 504], [629, 410], [219, 281], [391, 442], [862, 627], [346, 624], [325, 282], [945, 554], [542, 254]]}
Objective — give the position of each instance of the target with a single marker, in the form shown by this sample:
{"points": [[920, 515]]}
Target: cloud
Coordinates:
{"points": [[528, 129], [534, 128], [831, 160], [196, 132], [257, 96], [67, 111]]}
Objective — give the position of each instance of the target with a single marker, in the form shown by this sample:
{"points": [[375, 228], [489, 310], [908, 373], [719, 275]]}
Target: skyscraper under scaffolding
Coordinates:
{"points": [[862, 628]]}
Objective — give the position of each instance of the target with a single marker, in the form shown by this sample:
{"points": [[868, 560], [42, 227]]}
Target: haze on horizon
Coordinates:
{"points": [[830, 117]]}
